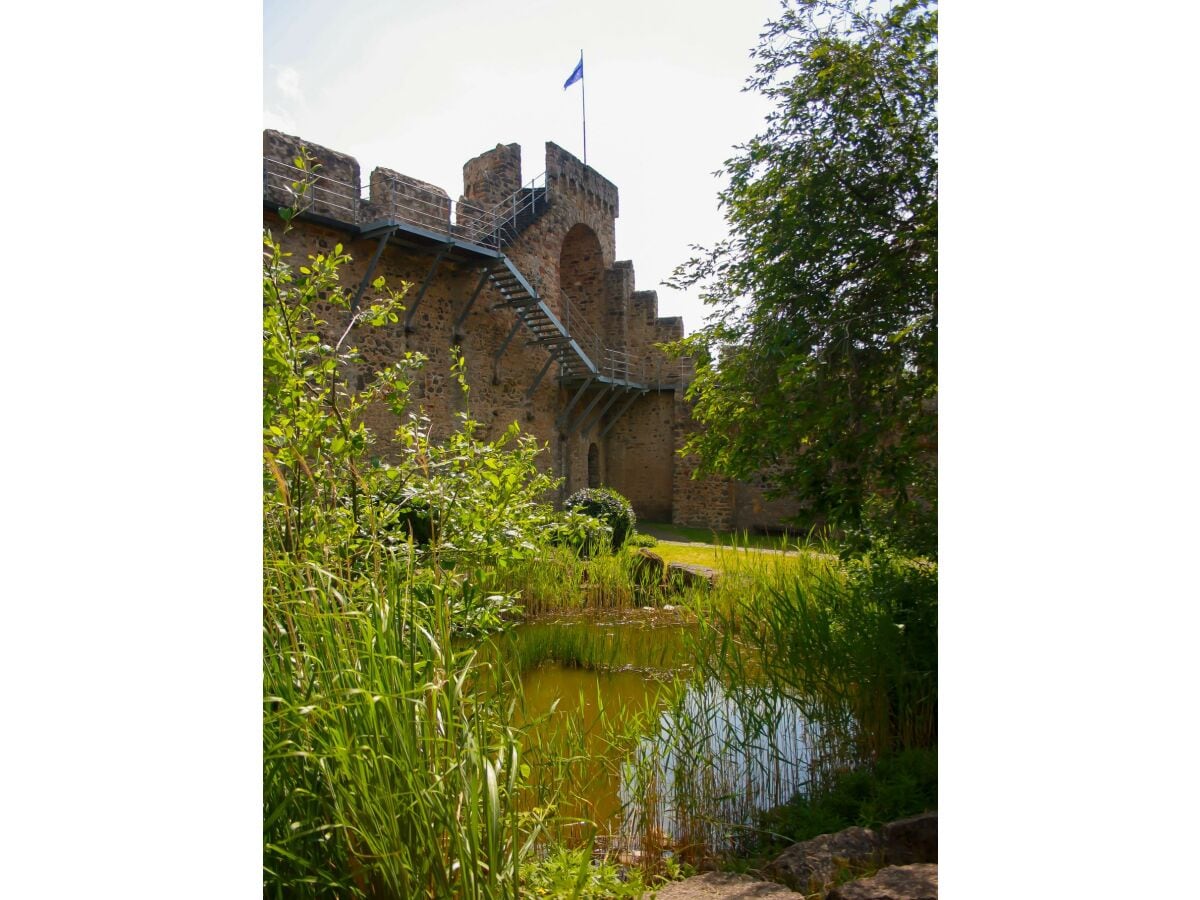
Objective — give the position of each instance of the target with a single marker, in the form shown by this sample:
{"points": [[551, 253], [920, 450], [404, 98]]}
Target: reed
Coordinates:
{"points": [[382, 775], [387, 772], [578, 641], [721, 756], [557, 578], [855, 645]]}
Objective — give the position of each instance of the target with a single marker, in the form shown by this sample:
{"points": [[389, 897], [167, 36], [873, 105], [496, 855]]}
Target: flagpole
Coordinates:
{"points": [[583, 100]]}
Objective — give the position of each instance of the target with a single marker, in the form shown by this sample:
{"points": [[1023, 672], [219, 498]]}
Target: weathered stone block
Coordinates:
{"points": [[684, 575], [911, 840], [334, 177], [813, 865], [397, 196], [649, 569], [724, 886], [914, 882]]}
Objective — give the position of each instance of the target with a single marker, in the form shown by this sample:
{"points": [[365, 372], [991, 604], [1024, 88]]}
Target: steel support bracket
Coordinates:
{"points": [[462, 317], [366, 279], [587, 429], [412, 309], [587, 411], [542, 374], [499, 353], [564, 416], [624, 409]]}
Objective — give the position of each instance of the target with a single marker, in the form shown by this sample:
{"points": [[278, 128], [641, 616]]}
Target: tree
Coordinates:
{"points": [[819, 364]]}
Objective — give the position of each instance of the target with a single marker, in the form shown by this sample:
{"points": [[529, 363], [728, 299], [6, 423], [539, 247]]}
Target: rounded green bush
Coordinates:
{"points": [[609, 507]]}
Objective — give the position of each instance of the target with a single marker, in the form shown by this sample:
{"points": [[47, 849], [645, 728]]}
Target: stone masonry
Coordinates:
{"points": [[623, 429]]}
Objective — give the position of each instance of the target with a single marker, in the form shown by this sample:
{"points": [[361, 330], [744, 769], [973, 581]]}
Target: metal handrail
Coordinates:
{"points": [[321, 190], [490, 228], [581, 330], [622, 366], [487, 227], [525, 198]]}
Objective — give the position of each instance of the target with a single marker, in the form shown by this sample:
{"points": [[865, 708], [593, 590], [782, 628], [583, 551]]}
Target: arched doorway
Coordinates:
{"points": [[581, 286], [593, 464]]}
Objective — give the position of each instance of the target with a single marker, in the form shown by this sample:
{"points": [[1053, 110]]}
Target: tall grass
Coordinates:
{"points": [[401, 761], [855, 645], [383, 776], [387, 771], [811, 675], [558, 578], [720, 756], [629, 643]]}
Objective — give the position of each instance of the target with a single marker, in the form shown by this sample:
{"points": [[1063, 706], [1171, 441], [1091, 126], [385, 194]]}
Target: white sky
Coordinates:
{"points": [[422, 86]]}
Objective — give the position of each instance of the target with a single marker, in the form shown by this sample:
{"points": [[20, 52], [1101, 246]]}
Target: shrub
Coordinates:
{"points": [[609, 507], [583, 533], [642, 540], [367, 793]]}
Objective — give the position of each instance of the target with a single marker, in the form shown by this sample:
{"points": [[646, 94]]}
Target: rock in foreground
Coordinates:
{"points": [[812, 866], [724, 886], [918, 881]]}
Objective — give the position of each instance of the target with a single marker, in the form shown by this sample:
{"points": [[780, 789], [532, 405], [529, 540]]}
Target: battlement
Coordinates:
{"points": [[493, 176], [567, 172], [489, 180], [509, 258], [421, 203], [336, 194]]}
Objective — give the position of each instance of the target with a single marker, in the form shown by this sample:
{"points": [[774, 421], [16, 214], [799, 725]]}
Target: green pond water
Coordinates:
{"points": [[684, 760]]}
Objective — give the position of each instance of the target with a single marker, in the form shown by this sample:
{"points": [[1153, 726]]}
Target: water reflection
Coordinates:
{"points": [[661, 759], [719, 756]]}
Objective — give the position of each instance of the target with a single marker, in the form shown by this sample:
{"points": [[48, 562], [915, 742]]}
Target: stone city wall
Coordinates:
{"points": [[565, 248]]}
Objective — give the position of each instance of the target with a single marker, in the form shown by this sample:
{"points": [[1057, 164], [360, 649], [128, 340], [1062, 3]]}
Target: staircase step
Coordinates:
{"points": [[545, 331]]}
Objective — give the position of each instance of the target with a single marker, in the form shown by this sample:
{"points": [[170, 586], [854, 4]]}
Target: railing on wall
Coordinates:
{"points": [[579, 328], [412, 201], [512, 215], [282, 183], [407, 200], [622, 366]]}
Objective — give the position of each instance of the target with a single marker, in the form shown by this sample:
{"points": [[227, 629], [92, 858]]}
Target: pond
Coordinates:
{"points": [[659, 757]]}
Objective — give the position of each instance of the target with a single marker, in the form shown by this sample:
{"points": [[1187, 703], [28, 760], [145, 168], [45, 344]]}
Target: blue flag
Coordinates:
{"points": [[576, 75]]}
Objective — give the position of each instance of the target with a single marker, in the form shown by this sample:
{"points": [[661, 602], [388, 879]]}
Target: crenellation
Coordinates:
{"points": [[398, 196], [492, 177], [568, 250], [572, 175], [335, 191]]}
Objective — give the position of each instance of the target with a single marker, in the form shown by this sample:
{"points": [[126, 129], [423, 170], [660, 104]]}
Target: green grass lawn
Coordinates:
{"points": [[726, 558], [668, 532]]}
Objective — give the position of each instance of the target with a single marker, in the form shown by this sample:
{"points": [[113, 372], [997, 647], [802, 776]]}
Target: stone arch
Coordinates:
{"points": [[581, 282], [594, 478]]}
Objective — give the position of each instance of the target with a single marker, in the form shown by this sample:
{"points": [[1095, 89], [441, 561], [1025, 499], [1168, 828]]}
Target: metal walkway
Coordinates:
{"points": [[477, 235]]}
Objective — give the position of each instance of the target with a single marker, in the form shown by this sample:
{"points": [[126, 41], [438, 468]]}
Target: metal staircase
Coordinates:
{"points": [[463, 231], [547, 330], [520, 211]]}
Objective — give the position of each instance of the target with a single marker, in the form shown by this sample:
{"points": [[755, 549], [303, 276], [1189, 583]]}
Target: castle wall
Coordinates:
{"points": [[568, 246], [497, 389], [641, 458], [700, 503]]}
